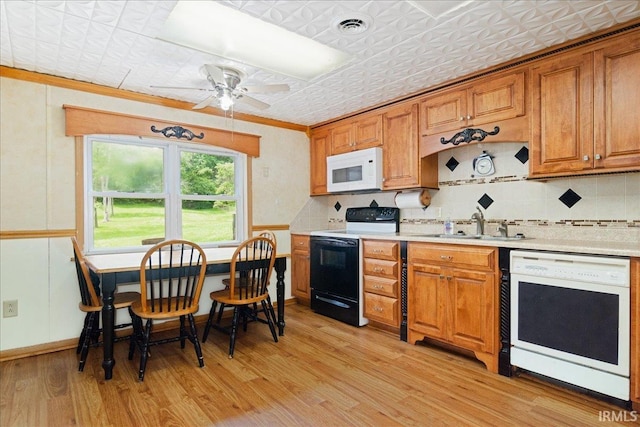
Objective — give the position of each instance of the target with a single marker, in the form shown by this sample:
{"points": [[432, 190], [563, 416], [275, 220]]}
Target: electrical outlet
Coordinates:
{"points": [[10, 308]]}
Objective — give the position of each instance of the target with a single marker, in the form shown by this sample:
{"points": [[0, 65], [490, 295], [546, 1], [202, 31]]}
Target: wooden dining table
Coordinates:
{"points": [[124, 268]]}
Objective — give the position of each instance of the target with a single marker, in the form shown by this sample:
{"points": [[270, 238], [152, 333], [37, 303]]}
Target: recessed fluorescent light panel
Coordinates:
{"points": [[436, 9], [223, 31]]}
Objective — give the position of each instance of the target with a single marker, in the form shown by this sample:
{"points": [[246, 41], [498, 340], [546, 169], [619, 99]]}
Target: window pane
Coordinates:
{"points": [[127, 222], [127, 168], [208, 221], [206, 174]]}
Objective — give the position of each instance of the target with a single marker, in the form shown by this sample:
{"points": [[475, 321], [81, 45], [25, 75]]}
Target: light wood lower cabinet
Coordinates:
{"points": [[300, 275], [381, 270], [453, 298]]}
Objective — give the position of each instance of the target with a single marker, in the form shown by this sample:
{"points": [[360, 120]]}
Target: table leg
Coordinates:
{"points": [[108, 312], [280, 267]]}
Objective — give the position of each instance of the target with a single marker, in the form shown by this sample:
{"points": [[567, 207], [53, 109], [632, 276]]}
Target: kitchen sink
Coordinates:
{"points": [[452, 236], [502, 238]]}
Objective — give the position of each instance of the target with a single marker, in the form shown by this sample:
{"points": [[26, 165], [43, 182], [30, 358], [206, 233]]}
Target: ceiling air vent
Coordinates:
{"points": [[352, 25]]}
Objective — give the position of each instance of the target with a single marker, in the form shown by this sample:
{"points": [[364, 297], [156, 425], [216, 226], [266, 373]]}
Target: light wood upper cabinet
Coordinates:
{"points": [[585, 110], [402, 165], [318, 156], [358, 134], [488, 100]]}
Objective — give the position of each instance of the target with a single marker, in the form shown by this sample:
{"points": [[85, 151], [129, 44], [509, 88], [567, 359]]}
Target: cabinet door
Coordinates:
{"points": [[444, 112], [562, 115], [342, 139], [318, 156], [427, 299], [300, 274], [496, 99], [367, 132], [617, 104], [472, 308], [400, 150]]}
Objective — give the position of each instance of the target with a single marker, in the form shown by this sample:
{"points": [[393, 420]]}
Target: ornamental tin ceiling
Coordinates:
{"points": [[404, 50]]}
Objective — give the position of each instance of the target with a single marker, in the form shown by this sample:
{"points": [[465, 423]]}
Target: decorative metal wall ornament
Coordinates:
{"points": [[177, 131], [468, 135]]}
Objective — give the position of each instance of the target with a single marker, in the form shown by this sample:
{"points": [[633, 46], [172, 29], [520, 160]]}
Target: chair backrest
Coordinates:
{"points": [[171, 278], [89, 286], [251, 268], [269, 235]]}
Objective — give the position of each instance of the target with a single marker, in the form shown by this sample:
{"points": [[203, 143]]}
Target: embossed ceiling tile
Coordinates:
{"points": [[24, 49], [80, 8], [119, 44], [554, 10], [624, 10], [48, 25], [18, 15], [573, 28], [97, 39], [74, 31], [548, 35], [135, 15], [108, 12], [597, 17]]}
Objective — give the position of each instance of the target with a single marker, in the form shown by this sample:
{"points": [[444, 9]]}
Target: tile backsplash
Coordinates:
{"points": [[598, 207]]}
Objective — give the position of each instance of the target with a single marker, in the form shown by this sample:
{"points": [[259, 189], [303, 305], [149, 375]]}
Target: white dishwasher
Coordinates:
{"points": [[570, 319]]}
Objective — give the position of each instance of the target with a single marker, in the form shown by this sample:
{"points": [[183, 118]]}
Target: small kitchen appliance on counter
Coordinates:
{"points": [[335, 267]]}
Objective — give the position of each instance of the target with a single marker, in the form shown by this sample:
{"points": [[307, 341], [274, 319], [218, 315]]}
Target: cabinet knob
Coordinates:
{"points": [[461, 118], [441, 276], [585, 158], [469, 117], [598, 157], [446, 257]]}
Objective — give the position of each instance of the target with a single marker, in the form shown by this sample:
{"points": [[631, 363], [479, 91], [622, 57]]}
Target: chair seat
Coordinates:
{"points": [[224, 298], [164, 312], [120, 300]]}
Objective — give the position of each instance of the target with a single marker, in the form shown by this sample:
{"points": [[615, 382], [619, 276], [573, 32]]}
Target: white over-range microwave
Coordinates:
{"points": [[355, 171]]}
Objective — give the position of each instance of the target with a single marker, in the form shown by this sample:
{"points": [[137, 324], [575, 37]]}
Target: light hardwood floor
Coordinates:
{"points": [[321, 373]]}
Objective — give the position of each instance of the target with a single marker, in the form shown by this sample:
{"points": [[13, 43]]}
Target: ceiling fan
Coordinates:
{"points": [[225, 82]]}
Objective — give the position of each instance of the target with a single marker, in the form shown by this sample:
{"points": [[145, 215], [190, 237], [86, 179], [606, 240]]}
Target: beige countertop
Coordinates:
{"points": [[625, 249]]}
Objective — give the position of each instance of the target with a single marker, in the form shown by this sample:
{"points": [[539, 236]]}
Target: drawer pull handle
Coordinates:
{"points": [[378, 270], [378, 309], [377, 286], [446, 257]]}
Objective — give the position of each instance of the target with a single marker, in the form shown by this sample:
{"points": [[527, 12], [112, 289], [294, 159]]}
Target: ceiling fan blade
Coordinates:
{"points": [[265, 88], [204, 103], [180, 87], [215, 73], [252, 102]]}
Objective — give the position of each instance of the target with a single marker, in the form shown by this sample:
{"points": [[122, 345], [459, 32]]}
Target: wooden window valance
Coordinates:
{"points": [[85, 121]]}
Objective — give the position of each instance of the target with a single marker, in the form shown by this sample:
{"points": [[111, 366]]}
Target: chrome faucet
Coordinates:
{"points": [[478, 217], [503, 229]]}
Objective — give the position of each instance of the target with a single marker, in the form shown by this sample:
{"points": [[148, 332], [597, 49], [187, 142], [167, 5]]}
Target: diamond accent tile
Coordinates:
{"points": [[373, 204], [452, 164], [523, 155], [570, 198], [485, 201], [337, 206]]}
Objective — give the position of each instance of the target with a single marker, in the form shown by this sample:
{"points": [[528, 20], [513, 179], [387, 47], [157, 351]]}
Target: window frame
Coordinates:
{"points": [[171, 188]]}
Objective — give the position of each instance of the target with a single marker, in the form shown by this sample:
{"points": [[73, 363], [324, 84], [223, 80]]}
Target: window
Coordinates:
{"points": [[142, 191]]}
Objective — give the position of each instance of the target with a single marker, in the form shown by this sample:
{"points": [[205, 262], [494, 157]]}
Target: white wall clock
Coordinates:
{"points": [[483, 165]]}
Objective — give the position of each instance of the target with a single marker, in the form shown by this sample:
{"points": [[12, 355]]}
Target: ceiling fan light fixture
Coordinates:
{"points": [[226, 100]]}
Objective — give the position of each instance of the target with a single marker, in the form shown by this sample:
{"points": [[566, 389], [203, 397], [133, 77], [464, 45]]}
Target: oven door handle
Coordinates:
{"points": [[330, 301], [336, 242]]}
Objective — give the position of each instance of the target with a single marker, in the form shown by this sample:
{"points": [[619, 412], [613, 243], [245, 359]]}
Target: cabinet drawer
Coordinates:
{"points": [[299, 242], [455, 255], [381, 286], [382, 309], [380, 249], [381, 268]]}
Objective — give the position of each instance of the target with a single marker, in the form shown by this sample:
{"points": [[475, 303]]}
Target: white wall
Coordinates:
{"points": [[37, 193]]}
